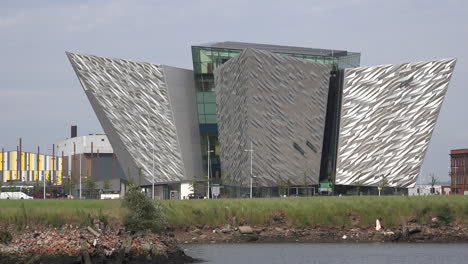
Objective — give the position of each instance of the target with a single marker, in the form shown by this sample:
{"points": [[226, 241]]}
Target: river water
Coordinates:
{"points": [[366, 253]]}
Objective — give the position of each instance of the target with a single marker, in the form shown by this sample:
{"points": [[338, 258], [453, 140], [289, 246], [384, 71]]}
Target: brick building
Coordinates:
{"points": [[459, 170]]}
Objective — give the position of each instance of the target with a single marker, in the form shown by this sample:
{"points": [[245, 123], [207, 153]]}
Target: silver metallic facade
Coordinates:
{"points": [[279, 104], [144, 108], [388, 114]]}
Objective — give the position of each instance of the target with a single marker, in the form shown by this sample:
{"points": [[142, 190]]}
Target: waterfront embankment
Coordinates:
{"points": [[75, 228]]}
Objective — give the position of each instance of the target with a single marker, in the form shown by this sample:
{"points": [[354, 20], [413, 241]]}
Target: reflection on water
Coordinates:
{"points": [[369, 253]]}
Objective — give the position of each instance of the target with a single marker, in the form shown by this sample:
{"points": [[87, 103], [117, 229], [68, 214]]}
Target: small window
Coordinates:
{"points": [[311, 146], [298, 148], [102, 139]]}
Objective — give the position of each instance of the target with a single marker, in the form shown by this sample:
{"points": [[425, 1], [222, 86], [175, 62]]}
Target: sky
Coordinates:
{"points": [[40, 96]]}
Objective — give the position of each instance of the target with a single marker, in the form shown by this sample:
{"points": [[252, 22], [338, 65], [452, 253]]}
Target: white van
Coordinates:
{"points": [[14, 195], [110, 196]]}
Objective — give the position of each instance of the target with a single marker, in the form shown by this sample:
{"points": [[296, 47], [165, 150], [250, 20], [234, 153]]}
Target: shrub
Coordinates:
{"points": [[444, 213], [21, 217], [142, 212], [5, 237]]}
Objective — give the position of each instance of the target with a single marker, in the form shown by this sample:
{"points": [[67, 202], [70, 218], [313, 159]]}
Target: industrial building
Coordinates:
{"points": [[29, 168], [91, 157], [458, 172], [273, 115]]}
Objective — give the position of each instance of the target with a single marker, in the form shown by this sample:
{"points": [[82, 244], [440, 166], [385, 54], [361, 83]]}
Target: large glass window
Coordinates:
{"points": [[200, 97], [210, 119], [201, 119], [209, 97], [210, 109], [201, 109]]}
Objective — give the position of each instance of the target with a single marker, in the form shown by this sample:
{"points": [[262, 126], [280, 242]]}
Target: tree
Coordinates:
{"points": [[37, 188], [90, 184], [306, 185], [107, 184], [130, 177], [142, 213], [331, 180], [383, 183], [433, 182], [140, 175], [282, 186], [358, 184], [198, 186], [49, 185], [68, 187]]}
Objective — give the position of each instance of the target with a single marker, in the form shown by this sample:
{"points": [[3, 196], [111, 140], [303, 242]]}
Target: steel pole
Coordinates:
{"points": [[251, 153], [80, 176], [208, 189], [153, 172], [208, 165]]}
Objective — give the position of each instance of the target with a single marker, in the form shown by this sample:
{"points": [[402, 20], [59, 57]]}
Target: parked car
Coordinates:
{"points": [[40, 195], [14, 195], [195, 196]]}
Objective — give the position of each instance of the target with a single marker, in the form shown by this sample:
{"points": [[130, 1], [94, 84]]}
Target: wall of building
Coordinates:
{"points": [[208, 58], [33, 167], [275, 105], [84, 144], [425, 190], [91, 157], [459, 171], [140, 114], [388, 114]]}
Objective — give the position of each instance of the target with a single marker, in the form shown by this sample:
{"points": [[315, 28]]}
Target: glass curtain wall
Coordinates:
{"points": [[205, 61]]}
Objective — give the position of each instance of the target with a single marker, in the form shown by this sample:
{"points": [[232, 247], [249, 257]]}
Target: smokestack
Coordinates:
{"points": [[74, 131]]}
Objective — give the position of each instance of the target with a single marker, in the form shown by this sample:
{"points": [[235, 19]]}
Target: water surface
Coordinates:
{"points": [[368, 253]]}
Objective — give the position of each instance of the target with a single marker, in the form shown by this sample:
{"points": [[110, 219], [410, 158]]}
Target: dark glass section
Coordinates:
{"points": [[209, 128], [332, 127]]}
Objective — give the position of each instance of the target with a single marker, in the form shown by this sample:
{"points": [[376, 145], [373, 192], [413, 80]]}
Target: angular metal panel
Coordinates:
{"points": [[387, 117], [278, 103], [138, 109]]}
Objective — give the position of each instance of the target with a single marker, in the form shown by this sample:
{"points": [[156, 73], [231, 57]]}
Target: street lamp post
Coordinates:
{"points": [[208, 153], [152, 147], [80, 173], [251, 154], [45, 171], [152, 194], [379, 187]]}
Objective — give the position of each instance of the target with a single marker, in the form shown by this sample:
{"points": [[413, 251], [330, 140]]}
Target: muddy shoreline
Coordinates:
{"points": [[407, 233]]}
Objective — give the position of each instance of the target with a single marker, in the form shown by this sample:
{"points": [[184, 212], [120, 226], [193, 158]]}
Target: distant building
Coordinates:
{"points": [[425, 189], [30, 168], [92, 157], [458, 172]]}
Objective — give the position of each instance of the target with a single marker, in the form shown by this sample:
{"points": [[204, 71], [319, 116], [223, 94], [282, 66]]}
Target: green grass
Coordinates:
{"points": [[57, 212], [322, 211]]}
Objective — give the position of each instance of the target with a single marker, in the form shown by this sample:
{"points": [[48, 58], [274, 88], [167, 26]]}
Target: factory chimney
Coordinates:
{"points": [[74, 131]]}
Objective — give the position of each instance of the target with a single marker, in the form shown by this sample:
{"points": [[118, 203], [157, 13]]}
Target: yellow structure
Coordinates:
{"points": [[33, 167]]}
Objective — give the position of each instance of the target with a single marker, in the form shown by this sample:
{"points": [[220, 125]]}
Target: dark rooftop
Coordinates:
{"points": [[276, 48]]}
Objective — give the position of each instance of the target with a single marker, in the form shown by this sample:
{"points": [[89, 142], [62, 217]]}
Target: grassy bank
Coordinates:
{"points": [[323, 211]]}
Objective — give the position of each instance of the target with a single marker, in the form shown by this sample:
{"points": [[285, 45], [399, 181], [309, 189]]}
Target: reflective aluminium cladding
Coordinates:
{"points": [[388, 114], [278, 104], [144, 108]]}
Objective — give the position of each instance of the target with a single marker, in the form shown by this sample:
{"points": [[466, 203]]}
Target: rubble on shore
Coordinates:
{"points": [[73, 244]]}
